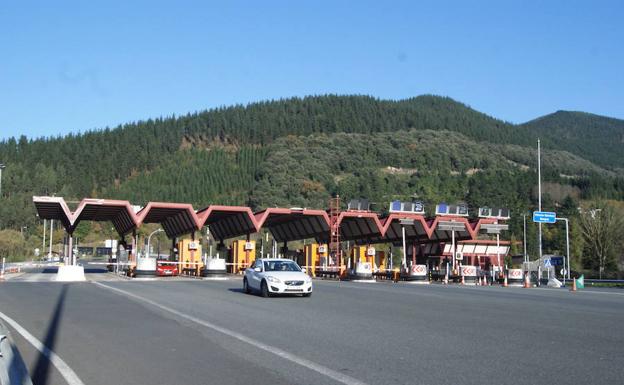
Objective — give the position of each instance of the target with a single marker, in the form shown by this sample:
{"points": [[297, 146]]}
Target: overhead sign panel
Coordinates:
{"points": [[494, 212], [407, 207], [458, 210], [544, 217]]}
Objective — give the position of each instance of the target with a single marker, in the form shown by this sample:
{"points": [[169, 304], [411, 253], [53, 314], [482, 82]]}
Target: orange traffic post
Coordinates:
{"points": [[573, 285]]}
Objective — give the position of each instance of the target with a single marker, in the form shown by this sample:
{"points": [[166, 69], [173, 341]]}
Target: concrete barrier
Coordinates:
{"points": [[363, 270], [470, 274], [12, 368], [515, 277], [215, 268], [146, 266], [417, 274], [68, 273]]}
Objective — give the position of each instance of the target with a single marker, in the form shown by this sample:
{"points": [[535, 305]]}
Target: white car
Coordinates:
{"points": [[276, 276]]}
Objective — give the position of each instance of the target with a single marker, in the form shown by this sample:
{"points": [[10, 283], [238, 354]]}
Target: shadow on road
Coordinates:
{"points": [[40, 373]]}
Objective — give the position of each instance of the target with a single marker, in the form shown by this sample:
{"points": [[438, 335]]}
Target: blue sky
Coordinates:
{"points": [[75, 66]]}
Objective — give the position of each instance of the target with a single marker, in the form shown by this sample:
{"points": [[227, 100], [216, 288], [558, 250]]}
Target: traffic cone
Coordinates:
{"points": [[573, 288], [526, 282], [505, 281], [2, 275], [462, 280]]}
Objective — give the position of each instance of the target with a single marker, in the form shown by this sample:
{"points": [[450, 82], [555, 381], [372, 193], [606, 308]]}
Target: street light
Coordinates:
{"points": [[405, 222], [147, 253], [451, 226], [567, 245], [2, 166], [496, 228]]}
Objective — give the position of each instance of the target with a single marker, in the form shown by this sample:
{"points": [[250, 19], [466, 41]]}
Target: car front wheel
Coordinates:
{"points": [[246, 288], [307, 294], [264, 289]]}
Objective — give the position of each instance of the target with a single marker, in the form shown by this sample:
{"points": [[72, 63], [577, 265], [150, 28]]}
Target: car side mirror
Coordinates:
{"points": [[304, 270], [257, 269]]}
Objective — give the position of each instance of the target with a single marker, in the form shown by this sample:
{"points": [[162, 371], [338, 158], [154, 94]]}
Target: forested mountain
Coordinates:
{"points": [[300, 151], [596, 138]]}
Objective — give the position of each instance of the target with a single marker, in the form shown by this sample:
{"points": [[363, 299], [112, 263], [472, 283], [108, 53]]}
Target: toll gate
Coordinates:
{"points": [[342, 241]]}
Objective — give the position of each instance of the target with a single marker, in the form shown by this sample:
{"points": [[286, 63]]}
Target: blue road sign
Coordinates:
{"points": [[544, 217]]}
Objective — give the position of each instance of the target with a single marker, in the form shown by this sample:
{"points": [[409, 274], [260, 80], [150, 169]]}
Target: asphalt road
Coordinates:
{"points": [[209, 332]]}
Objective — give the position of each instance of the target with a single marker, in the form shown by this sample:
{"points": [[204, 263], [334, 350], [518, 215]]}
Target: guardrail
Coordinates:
{"points": [[592, 280]]}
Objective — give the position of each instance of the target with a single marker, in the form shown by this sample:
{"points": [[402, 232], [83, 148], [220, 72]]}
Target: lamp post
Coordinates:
{"points": [[451, 226], [567, 245], [147, 253], [405, 222], [2, 167], [496, 228], [526, 259], [539, 196], [51, 238]]}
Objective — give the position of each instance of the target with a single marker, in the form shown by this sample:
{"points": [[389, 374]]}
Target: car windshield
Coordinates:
{"points": [[280, 266]]}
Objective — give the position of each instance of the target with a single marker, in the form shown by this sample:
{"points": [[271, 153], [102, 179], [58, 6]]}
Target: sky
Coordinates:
{"points": [[78, 66]]}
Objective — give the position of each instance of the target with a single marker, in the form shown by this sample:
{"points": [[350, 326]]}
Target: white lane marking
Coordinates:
{"points": [[334, 375], [68, 374]]}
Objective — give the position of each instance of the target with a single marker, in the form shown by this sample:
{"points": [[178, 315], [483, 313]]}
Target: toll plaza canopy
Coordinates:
{"points": [[416, 228], [360, 226], [176, 219], [120, 213], [54, 208], [225, 222], [465, 229], [294, 224]]}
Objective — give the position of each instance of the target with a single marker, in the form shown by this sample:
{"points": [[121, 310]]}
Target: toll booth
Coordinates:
{"points": [[190, 257], [242, 255], [366, 254], [315, 257], [361, 262]]}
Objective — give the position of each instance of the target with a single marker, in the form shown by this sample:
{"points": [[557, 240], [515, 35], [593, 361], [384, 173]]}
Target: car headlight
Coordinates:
{"points": [[307, 279], [272, 279]]}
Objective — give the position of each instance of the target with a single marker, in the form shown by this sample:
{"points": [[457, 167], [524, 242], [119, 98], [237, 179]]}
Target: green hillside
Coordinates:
{"points": [[300, 151]]}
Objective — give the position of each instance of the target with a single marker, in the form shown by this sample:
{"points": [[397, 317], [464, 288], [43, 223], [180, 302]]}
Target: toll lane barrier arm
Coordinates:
{"points": [[12, 368]]}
